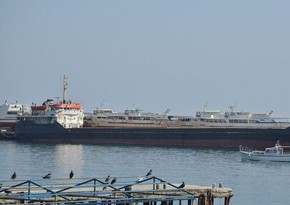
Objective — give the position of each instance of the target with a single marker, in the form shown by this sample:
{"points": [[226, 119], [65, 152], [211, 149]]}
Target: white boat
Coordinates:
{"points": [[277, 153], [9, 113]]}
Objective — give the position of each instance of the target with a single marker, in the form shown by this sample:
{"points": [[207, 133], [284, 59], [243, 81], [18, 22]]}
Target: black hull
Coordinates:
{"points": [[178, 137]]}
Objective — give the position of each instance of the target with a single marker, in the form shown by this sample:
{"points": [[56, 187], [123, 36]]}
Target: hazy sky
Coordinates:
{"points": [[151, 54]]}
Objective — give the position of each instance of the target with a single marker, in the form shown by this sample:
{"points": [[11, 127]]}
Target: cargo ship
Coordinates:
{"points": [[65, 122]]}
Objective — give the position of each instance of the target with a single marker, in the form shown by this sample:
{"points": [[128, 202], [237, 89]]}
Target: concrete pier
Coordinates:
{"points": [[126, 191]]}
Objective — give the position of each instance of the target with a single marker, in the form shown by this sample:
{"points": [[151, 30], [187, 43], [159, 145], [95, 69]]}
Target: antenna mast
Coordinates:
{"points": [[64, 89]]}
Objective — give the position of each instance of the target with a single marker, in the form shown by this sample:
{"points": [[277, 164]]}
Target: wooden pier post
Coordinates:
{"points": [[190, 202], [201, 200], [227, 200], [166, 203], [210, 198]]}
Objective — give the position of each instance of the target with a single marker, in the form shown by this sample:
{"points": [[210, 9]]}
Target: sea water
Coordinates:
{"points": [[266, 183]]}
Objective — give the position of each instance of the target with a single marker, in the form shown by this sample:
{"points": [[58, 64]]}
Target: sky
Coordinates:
{"points": [[150, 55]]}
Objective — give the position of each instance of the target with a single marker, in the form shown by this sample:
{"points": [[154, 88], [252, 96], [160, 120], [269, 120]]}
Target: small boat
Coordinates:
{"points": [[277, 153]]}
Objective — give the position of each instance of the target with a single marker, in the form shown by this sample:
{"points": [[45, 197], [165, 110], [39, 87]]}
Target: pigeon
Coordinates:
{"points": [[114, 180], [48, 176], [139, 179], [182, 185], [149, 173], [13, 176], [71, 174], [107, 179]]}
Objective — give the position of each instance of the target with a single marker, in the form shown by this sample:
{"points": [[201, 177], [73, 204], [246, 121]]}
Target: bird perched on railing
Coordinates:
{"points": [[13, 176], [48, 176], [139, 179], [114, 180], [182, 185], [71, 174], [7, 191], [107, 179], [106, 182], [149, 173]]}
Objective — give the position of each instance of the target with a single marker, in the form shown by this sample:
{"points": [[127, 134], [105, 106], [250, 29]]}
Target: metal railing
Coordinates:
{"points": [[96, 191]]}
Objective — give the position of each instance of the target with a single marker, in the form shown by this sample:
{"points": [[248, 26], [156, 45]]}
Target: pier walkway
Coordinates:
{"points": [[121, 190]]}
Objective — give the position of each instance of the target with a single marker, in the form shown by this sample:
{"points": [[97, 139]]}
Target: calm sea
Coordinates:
{"points": [[266, 183]]}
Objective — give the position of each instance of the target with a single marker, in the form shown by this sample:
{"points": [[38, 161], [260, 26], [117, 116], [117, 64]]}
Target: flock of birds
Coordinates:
{"points": [[107, 180], [48, 176]]}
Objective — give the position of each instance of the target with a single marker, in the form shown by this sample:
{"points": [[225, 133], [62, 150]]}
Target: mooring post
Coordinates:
{"points": [[201, 200], [227, 200], [209, 197], [190, 202]]}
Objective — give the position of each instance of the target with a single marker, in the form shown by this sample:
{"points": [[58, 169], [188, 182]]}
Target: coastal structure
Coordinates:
{"points": [[146, 191], [64, 122]]}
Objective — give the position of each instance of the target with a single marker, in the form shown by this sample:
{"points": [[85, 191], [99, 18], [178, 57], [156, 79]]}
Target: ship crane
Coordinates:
{"points": [[164, 115]]}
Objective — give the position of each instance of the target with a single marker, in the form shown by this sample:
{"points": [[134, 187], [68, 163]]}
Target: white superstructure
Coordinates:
{"points": [[66, 113]]}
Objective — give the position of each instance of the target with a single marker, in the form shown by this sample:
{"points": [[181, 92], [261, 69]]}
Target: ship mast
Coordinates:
{"points": [[64, 89]]}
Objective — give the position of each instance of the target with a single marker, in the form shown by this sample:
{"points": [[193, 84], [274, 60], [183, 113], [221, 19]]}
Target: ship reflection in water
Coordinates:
{"points": [[69, 157]]}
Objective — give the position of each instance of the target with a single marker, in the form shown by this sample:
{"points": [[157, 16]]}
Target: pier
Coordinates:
{"points": [[121, 190]]}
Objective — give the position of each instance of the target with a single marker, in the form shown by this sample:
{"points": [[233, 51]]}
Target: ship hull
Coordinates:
{"points": [[178, 137], [7, 125], [263, 157]]}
